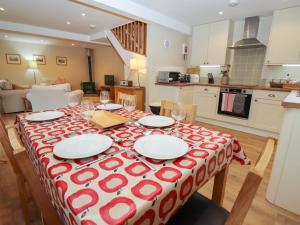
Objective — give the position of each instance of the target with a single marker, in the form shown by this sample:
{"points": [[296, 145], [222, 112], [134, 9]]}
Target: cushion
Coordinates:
{"points": [[199, 210], [66, 87], [5, 85]]}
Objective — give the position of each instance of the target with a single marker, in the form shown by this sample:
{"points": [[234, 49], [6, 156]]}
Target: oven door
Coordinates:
{"points": [[235, 102]]}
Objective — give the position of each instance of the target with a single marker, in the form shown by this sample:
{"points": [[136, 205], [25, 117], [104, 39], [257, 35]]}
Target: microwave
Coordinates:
{"points": [[168, 77]]}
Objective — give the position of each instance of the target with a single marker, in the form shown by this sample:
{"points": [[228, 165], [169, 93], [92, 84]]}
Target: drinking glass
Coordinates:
{"points": [[87, 111], [73, 102], [178, 113], [129, 104], [104, 98]]}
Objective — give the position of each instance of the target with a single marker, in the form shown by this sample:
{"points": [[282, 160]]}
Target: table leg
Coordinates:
{"points": [[219, 186]]}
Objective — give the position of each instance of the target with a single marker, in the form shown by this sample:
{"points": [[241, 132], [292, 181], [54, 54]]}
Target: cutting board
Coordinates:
{"points": [[105, 119]]}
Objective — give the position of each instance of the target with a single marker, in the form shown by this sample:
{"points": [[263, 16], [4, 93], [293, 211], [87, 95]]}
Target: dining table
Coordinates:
{"points": [[121, 189]]}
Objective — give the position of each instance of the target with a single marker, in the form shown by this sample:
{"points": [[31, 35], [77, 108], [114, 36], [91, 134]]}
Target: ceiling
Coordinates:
{"points": [[35, 39], [54, 14], [195, 12]]}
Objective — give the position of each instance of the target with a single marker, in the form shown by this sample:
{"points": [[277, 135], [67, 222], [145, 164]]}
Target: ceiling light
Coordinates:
{"points": [[220, 12], [83, 14], [68, 22], [233, 3], [92, 26], [6, 36], [2, 9]]}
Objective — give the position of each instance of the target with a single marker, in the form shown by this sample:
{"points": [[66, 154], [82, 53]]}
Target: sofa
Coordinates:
{"points": [[52, 96], [12, 100]]}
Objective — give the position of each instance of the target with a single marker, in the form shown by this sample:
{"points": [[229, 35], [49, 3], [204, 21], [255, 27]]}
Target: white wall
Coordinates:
{"points": [[161, 58]]}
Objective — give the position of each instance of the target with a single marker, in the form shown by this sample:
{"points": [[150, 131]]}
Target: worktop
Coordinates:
{"points": [[292, 100], [255, 87]]}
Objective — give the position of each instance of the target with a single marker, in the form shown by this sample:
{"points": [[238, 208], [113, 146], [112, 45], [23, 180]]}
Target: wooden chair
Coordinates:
{"points": [[24, 172], [122, 96], [167, 106], [199, 210], [10, 151]]}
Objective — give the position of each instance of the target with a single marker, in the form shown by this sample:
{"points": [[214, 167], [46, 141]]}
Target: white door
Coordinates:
{"points": [[266, 114], [218, 41], [206, 105], [284, 42], [200, 45]]}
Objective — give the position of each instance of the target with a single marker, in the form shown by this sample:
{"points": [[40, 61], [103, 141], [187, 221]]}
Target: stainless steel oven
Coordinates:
{"points": [[235, 102]]}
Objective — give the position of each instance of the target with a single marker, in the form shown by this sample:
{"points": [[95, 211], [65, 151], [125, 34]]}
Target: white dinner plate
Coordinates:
{"points": [[44, 116], [158, 146], [110, 106], [82, 146], [156, 121]]}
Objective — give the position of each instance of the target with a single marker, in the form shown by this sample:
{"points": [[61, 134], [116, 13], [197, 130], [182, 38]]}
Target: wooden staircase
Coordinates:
{"points": [[132, 36]]}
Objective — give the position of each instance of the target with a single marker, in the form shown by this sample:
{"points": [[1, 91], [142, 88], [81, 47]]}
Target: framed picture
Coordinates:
{"points": [[40, 59], [61, 61], [13, 59]]}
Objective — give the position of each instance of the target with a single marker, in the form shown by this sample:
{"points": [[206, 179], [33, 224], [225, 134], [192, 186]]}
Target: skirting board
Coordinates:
{"points": [[238, 127]]}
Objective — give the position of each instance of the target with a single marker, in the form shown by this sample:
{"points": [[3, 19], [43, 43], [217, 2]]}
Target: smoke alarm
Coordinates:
{"points": [[233, 3]]}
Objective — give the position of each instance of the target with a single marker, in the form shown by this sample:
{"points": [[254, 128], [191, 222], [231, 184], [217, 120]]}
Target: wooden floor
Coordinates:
{"points": [[261, 212]]}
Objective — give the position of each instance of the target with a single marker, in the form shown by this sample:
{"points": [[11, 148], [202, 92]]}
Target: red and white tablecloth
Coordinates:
{"points": [[121, 189]]}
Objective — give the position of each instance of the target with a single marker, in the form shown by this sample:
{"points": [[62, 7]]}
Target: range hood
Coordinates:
{"points": [[250, 35]]}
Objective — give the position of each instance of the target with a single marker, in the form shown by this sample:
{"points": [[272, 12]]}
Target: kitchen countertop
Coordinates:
{"points": [[255, 87], [292, 101]]}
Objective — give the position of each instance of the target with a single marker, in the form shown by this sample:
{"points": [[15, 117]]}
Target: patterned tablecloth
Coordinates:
{"points": [[121, 189]]}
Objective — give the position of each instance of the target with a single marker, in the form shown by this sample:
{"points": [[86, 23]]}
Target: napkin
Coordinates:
{"points": [[105, 119]]}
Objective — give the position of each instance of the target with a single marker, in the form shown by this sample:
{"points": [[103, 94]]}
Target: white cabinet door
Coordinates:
{"points": [[199, 45], [284, 42], [186, 95], [206, 104], [266, 114], [218, 42]]}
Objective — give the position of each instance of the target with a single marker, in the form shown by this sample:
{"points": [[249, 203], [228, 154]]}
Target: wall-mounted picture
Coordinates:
{"points": [[61, 61], [40, 59], [13, 59]]}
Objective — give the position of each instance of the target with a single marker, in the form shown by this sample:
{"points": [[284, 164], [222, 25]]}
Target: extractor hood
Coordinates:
{"points": [[250, 35]]}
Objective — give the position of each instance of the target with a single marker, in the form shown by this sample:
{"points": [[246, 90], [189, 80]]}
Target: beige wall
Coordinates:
{"points": [[107, 61], [74, 72]]}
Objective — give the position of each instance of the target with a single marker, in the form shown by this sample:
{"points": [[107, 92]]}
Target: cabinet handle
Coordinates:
{"points": [[205, 89], [256, 100], [215, 96], [271, 95]]}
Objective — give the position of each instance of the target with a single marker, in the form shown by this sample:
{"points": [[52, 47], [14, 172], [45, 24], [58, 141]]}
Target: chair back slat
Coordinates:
{"points": [[167, 107], [251, 184], [122, 96], [7, 147]]}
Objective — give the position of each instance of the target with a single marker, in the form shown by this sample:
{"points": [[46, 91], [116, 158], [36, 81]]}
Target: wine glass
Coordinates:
{"points": [[87, 111], [104, 98], [129, 104], [178, 113]]}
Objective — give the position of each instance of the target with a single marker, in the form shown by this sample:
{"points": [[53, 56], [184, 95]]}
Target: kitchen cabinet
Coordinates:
{"points": [[200, 41], [206, 100], [209, 43], [174, 94], [284, 44], [266, 110]]}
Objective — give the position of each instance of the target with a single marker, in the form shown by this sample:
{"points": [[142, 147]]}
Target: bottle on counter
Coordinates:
{"points": [[225, 76], [210, 78]]}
